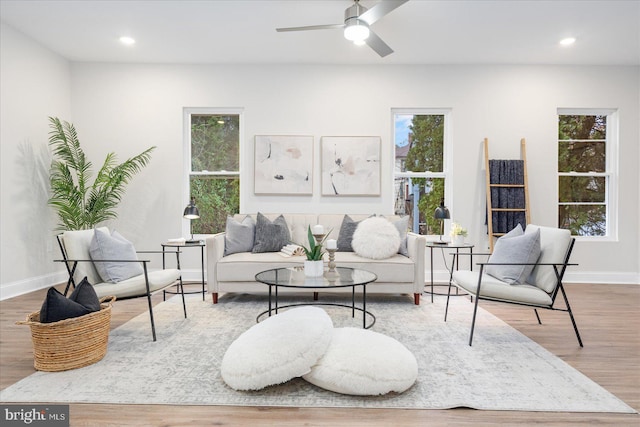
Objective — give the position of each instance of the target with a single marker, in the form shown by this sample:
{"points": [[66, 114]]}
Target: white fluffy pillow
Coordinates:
{"points": [[277, 349], [364, 363], [376, 238]]}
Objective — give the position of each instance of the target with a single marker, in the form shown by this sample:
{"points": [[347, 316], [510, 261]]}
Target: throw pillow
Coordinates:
{"points": [[364, 363], [523, 248], [347, 228], [270, 236], [376, 238], [239, 236], [86, 296], [402, 225], [57, 307], [114, 247], [279, 348]]}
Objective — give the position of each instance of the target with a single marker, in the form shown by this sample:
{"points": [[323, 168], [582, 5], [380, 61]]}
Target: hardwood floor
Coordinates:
{"points": [[607, 315]]}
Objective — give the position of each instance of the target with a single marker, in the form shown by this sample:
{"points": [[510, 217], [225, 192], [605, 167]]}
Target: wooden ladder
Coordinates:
{"points": [[490, 209]]}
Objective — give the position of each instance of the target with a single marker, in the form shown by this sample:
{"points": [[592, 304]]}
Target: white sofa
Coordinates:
{"points": [[236, 272]]}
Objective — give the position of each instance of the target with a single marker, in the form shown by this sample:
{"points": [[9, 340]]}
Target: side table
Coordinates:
{"points": [[200, 244], [457, 247]]}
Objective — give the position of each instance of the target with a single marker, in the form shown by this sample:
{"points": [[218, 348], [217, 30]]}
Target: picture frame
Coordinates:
{"points": [[283, 165], [350, 165]]}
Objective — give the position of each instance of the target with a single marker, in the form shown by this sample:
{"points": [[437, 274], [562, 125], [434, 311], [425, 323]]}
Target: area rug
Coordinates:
{"points": [[504, 370]]}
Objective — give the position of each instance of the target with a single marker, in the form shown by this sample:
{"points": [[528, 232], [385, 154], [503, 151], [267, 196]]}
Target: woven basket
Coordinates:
{"points": [[70, 343]]}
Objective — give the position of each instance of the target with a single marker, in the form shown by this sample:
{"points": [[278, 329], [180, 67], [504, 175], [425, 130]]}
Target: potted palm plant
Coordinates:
{"points": [[80, 204], [313, 265]]}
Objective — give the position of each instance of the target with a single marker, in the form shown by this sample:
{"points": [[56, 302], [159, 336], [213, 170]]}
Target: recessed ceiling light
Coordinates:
{"points": [[127, 40], [568, 41]]}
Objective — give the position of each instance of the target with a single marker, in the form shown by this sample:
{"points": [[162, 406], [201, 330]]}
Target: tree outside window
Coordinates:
{"points": [[584, 177], [419, 173], [214, 176]]}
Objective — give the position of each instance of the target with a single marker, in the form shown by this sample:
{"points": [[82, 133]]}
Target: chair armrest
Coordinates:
{"points": [[416, 246], [215, 251]]}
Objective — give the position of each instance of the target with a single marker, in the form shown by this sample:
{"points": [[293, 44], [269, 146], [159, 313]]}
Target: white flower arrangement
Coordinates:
{"points": [[457, 230]]}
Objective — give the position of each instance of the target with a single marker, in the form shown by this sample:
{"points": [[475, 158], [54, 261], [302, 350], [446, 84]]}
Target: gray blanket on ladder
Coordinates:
{"points": [[507, 172]]}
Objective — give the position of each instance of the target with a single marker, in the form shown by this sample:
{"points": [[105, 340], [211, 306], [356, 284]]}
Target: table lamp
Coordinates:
{"points": [[191, 212], [441, 213]]}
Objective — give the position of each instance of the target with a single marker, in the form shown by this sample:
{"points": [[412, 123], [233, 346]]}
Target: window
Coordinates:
{"points": [[420, 170], [587, 143], [212, 142]]}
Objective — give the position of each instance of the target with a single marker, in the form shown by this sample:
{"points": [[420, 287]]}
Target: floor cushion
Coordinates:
{"points": [[362, 362], [278, 349]]}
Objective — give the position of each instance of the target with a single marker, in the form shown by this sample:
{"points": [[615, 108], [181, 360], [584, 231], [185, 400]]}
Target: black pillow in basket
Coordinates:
{"points": [[58, 307], [85, 295]]}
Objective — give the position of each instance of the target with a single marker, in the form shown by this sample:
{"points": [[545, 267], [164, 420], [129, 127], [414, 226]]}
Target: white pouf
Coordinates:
{"points": [[363, 362], [277, 349], [376, 238]]}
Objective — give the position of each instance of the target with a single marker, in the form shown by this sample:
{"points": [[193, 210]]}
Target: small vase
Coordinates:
{"points": [[458, 240], [313, 268]]}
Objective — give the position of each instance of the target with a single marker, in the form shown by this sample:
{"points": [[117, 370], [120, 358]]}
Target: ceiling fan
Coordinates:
{"points": [[357, 20]]}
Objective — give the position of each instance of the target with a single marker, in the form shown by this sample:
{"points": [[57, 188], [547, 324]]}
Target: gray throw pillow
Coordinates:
{"points": [[239, 236], [402, 225], [114, 247], [271, 236], [523, 248], [345, 236]]}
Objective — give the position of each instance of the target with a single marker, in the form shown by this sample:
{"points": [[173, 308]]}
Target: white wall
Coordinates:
{"points": [[127, 108], [34, 84]]}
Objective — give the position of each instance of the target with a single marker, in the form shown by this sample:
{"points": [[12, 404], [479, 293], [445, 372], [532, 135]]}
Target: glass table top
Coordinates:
{"points": [[294, 277]]}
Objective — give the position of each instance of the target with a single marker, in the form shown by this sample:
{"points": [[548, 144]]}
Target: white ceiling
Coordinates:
{"points": [[420, 31]]}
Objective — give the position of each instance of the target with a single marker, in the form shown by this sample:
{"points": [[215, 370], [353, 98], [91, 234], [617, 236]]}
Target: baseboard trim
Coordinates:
{"points": [[21, 287]]}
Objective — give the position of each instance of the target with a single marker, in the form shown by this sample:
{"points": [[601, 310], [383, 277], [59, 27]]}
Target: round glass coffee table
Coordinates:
{"points": [[294, 277]]}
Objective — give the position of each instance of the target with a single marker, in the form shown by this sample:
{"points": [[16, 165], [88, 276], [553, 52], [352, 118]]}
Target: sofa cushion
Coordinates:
{"points": [[523, 249], [376, 238], [554, 244], [76, 245], [243, 267], [135, 286], [364, 363], [271, 236], [278, 349], [114, 247], [494, 288], [239, 235]]}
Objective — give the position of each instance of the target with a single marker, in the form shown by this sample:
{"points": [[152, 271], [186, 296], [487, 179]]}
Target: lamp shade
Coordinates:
{"points": [[191, 211], [441, 211]]}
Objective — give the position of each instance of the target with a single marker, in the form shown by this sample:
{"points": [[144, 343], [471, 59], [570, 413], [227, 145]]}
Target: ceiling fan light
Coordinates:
{"points": [[359, 42], [356, 32]]}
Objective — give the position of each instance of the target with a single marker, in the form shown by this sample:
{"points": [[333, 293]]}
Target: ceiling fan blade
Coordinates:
{"points": [[311, 27], [378, 45], [380, 10]]}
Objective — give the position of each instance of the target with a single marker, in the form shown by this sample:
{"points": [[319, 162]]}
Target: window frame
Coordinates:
{"points": [[610, 174], [188, 173], [447, 158]]}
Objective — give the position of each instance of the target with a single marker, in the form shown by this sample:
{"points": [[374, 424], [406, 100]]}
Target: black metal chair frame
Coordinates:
{"points": [[559, 270], [72, 264]]}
